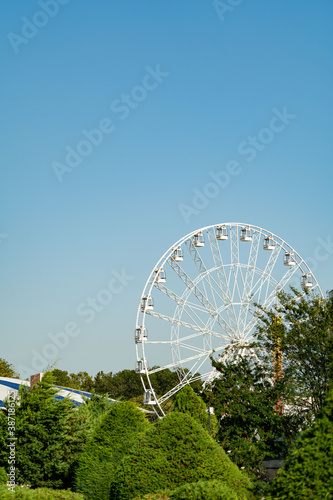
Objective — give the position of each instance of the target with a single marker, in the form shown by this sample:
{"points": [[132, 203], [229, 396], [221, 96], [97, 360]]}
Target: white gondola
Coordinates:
{"points": [[199, 240], [307, 281], [141, 334], [246, 234], [140, 366], [160, 276], [147, 304], [221, 233], [269, 243], [149, 397], [289, 259], [177, 255]]}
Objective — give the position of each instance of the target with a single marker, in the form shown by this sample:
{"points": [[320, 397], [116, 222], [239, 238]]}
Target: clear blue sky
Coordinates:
{"points": [[205, 86]]}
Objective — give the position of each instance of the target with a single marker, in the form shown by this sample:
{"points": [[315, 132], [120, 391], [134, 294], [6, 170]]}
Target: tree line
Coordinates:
{"points": [[262, 402]]}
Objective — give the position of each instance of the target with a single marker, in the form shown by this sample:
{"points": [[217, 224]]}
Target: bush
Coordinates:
{"points": [[3, 476], [175, 451], [204, 490], [201, 490], [307, 472], [50, 436], [38, 494], [187, 401], [113, 438]]}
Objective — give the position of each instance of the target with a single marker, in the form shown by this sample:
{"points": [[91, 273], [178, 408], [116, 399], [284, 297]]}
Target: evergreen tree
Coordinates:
{"points": [[186, 401], [308, 472], [49, 433], [176, 450]]}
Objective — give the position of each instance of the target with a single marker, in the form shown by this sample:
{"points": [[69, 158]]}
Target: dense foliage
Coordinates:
{"points": [[245, 402], [301, 328], [50, 435], [201, 490], [116, 433], [38, 494], [204, 490], [186, 401], [125, 384], [308, 472], [113, 452], [291, 368], [176, 450], [7, 369]]}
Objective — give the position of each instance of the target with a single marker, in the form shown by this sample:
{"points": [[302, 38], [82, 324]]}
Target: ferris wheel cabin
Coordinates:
{"points": [[246, 234], [147, 304], [141, 334], [177, 255], [199, 240], [160, 276], [269, 243], [307, 281], [149, 397], [289, 259], [140, 366], [221, 233]]}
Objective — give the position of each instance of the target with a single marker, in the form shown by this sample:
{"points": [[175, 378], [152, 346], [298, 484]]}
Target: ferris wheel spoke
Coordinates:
{"points": [[197, 366], [191, 326], [234, 245], [190, 347], [215, 287], [248, 282], [218, 263], [174, 390], [202, 270], [195, 290], [271, 297], [182, 302], [173, 365], [267, 273], [221, 274], [281, 284]]}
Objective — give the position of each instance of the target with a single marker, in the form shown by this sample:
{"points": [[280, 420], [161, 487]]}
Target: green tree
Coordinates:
{"points": [[176, 450], [62, 378], [126, 384], [307, 472], [186, 401], [49, 433], [82, 381], [103, 383], [7, 369], [118, 429], [302, 325], [245, 402]]}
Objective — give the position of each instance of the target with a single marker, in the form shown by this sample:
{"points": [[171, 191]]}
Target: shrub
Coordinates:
{"points": [[307, 472], [38, 494], [204, 490], [3, 476], [201, 490], [112, 439], [50, 435], [187, 401], [176, 450]]}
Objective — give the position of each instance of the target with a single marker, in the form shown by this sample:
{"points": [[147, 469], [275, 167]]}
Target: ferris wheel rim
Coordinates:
{"points": [[205, 228]]}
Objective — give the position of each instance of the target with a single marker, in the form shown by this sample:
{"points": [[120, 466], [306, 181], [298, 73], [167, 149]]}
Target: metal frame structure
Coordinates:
{"points": [[204, 287]]}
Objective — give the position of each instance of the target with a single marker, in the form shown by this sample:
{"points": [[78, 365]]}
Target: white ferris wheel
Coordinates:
{"points": [[199, 299]]}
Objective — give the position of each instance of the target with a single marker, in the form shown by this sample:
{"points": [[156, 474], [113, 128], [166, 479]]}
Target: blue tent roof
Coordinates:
{"points": [[12, 385]]}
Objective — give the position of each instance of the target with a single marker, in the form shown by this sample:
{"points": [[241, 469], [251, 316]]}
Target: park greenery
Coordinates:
{"points": [[108, 448]]}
